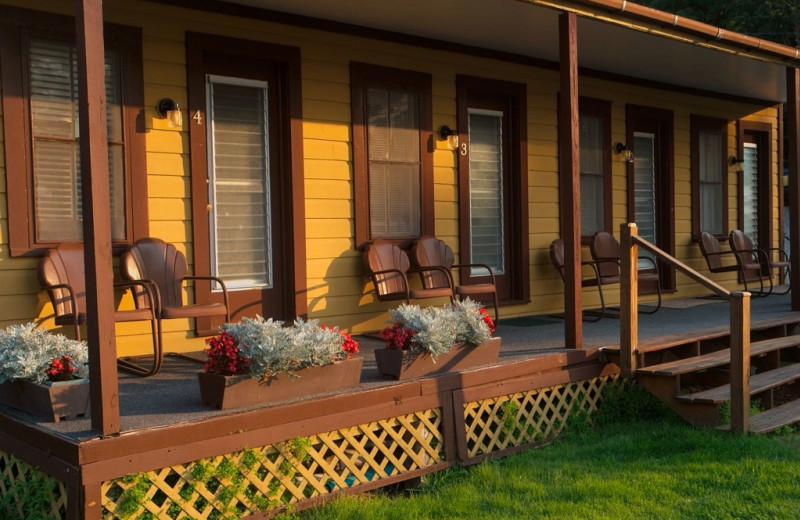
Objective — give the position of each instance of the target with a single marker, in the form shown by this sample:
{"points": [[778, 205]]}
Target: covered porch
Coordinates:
{"points": [[175, 451]]}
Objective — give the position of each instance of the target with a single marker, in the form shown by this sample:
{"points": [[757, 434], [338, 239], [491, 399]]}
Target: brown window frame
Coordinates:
{"points": [[16, 29], [705, 123], [362, 77], [602, 109]]}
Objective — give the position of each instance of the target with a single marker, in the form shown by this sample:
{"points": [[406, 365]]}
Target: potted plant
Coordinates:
{"points": [[258, 361], [43, 373], [431, 340]]}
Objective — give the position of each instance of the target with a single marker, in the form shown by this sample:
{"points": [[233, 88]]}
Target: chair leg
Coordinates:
{"points": [[158, 353], [788, 277], [658, 305]]}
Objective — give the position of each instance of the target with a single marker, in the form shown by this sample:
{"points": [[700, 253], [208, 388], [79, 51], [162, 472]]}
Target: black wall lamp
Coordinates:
{"points": [[450, 136], [737, 162], [622, 149], [170, 110]]}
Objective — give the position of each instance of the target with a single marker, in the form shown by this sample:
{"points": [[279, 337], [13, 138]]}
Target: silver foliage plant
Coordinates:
{"points": [[274, 349], [26, 353], [437, 329]]}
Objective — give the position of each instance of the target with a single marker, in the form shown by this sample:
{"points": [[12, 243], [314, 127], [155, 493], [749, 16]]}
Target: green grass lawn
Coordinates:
{"points": [[639, 463]]}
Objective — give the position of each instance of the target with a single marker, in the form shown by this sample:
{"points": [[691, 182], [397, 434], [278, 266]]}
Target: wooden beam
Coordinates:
{"points": [[569, 179], [96, 218], [793, 142], [629, 299], [740, 362]]}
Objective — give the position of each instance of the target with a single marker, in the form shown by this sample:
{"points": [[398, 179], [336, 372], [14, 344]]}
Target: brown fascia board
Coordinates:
{"points": [[622, 10]]}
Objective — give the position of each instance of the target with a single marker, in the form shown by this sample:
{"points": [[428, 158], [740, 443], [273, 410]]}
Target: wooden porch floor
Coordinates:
{"points": [[172, 396]]}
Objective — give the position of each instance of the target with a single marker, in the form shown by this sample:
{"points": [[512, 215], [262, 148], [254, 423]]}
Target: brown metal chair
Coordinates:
{"points": [[387, 266], [61, 274], [758, 261], [164, 269], [715, 259], [430, 253], [557, 257], [605, 252]]}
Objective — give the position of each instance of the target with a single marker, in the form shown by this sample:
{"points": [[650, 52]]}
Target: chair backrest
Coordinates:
{"points": [[742, 245], [64, 265], [430, 251], [153, 259], [709, 246], [381, 255], [605, 246], [557, 255]]}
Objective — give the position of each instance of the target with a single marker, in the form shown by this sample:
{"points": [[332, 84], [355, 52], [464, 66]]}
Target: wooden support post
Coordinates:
{"points": [[740, 362], [569, 180], [793, 142], [96, 217], [629, 299]]}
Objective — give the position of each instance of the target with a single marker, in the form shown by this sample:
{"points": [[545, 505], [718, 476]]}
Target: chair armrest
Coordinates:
{"points": [[373, 275], [149, 289], [70, 292], [224, 291], [593, 265], [650, 259], [440, 268], [485, 266], [782, 255]]}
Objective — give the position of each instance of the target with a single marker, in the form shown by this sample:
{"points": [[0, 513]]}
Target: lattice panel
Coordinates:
{"points": [[26, 492], [513, 420], [255, 480]]}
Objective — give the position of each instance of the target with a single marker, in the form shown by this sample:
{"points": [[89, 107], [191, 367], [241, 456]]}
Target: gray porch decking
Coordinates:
{"points": [[172, 396]]}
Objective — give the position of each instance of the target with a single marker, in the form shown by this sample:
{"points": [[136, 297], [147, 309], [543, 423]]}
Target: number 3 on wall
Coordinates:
{"points": [[463, 148]]}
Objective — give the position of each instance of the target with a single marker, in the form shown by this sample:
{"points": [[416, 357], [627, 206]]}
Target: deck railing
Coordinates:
{"points": [[630, 242]]}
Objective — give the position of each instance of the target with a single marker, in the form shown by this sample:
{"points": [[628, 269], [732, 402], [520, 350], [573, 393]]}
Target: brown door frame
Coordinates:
{"points": [[761, 134], [661, 123], [512, 99], [199, 48]]}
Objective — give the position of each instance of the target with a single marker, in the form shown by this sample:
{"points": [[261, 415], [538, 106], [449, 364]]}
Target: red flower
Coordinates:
{"points": [[349, 345], [224, 356], [60, 369], [398, 337], [488, 320]]}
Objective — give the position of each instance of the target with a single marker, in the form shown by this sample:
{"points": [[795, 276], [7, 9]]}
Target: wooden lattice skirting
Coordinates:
{"points": [[499, 424], [27, 492], [279, 475]]}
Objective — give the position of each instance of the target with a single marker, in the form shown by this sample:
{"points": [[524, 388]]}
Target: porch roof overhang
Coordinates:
{"points": [[614, 37]]}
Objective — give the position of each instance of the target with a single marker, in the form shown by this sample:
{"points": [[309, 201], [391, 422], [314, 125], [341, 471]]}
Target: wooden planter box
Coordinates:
{"points": [[50, 401], [227, 392], [400, 364]]}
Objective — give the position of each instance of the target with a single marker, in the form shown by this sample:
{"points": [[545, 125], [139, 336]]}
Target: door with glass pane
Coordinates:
{"points": [[238, 224], [650, 182], [754, 183], [492, 231]]}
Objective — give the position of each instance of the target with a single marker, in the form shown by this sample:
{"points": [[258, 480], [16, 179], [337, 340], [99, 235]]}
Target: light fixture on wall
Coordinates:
{"points": [[737, 162], [450, 136], [624, 151], [170, 110]]}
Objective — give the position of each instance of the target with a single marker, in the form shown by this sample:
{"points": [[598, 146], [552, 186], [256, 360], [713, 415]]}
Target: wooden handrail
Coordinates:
{"points": [[630, 242]]}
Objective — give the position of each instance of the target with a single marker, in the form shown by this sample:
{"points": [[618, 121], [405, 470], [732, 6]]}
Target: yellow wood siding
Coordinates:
{"points": [[338, 292]]}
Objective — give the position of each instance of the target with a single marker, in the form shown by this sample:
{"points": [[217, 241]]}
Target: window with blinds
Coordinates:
{"points": [[711, 181], [750, 191], [240, 182], [394, 163], [53, 81], [592, 164], [486, 190]]}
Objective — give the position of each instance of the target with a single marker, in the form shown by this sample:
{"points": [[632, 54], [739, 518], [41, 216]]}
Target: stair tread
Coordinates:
{"points": [[673, 340], [758, 383], [777, 417], [715, 359]]}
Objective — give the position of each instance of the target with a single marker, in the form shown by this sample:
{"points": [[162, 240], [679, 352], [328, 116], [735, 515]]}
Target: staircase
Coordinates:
{"points": [[744, 364], [691, 374]]}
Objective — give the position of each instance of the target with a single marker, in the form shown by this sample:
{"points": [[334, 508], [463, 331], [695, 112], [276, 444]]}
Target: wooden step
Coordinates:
{"points": [[775, 418], [675, 340], [758, 383], [715, 359]]}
